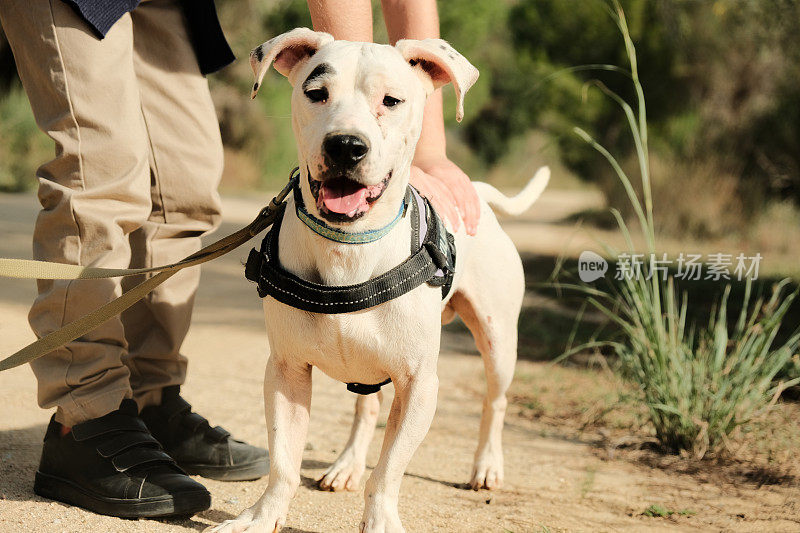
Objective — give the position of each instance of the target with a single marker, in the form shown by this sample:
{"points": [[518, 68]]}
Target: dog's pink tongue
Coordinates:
{"points": [[341, 196]]}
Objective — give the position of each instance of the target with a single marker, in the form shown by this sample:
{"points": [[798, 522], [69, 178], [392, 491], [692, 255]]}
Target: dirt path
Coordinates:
{"points": [[552, 483]]}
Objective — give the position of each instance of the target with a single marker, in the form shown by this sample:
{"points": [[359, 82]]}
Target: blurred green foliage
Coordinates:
{"points": [[22, 146], [720, 78]]}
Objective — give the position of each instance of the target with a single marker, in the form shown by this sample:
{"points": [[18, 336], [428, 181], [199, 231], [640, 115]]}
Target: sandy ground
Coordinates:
{"points": [[552, 483]]}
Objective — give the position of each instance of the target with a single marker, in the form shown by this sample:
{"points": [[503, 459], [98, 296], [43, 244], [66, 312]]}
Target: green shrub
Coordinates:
{"points": [[699, 383]]}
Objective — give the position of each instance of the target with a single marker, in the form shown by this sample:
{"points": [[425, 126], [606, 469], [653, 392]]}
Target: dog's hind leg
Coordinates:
{"points": [[345, 473], [490, 309], [497, 343]]}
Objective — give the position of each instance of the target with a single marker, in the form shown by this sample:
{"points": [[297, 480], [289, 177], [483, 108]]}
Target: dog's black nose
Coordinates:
{"points": [[345, 150]]}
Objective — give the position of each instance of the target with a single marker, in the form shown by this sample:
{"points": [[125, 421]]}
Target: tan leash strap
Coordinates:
{"points": [[31, 269], [90, 321]]}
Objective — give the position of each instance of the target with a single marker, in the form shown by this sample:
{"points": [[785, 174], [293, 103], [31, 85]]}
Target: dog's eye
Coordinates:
{"points": [[391, 101], [317, 95]]}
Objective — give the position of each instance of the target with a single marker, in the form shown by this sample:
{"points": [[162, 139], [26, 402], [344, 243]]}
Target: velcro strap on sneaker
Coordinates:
{"points": [[217, 434], [175, 407], [193, 421], [108, 424], [125, 441], [139, 456]]}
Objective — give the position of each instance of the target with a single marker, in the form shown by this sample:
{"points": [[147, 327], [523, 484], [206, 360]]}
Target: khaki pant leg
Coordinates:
{"points": [[186, 167], [95, 191]]}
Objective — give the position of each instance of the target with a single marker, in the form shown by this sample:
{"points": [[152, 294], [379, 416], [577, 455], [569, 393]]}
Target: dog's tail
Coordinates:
{"points": [[515, 205]]}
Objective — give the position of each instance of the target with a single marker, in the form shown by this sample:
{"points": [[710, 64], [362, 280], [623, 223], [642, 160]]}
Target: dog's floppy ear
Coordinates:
{"points": [[286, 51], [443, 64]]}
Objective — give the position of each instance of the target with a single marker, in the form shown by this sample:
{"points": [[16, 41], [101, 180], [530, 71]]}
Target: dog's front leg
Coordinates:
{"points": [[287, 399], [409, 420]]}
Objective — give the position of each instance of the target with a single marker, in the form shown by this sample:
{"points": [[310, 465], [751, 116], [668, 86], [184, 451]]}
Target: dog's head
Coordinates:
{"points": [[357, 113]]}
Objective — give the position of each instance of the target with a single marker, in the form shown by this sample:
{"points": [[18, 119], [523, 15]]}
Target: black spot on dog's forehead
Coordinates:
{"points": [[320, 70], [259, 53]]}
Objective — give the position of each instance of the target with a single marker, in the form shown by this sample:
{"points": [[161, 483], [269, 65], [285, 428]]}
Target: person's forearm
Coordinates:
{"points": [[349, 20], [410, 19], [432, 141], [419, 19]]}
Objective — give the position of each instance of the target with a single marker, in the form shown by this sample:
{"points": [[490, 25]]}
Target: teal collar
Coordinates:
{"points": [[335, 234]]}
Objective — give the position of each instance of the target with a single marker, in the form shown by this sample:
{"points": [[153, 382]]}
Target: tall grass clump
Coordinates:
{"points": [[699, 382]]}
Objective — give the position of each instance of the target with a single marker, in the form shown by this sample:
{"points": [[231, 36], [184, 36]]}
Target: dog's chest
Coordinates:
{"points": [[360, 346], [363, 346]]}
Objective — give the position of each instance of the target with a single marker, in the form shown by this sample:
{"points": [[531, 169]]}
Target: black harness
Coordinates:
{"points": [[432, 261]]}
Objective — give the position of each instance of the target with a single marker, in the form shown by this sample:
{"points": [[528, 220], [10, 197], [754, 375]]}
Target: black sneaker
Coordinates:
{"points": [[197, 447], [112, 465]]}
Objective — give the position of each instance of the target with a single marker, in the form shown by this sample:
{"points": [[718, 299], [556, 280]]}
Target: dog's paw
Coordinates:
{"points": [[344, 474], [487, 473], [381, 523]]}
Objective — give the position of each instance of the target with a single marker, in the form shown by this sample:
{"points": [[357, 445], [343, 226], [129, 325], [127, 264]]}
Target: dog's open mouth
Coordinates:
{"points": [[341, 199]]}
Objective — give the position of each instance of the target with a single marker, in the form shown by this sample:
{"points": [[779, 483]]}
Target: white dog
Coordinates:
{"points": [[357, 113]]}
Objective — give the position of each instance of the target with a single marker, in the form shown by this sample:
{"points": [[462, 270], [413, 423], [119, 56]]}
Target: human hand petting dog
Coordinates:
{"points": [[449, 189]]}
